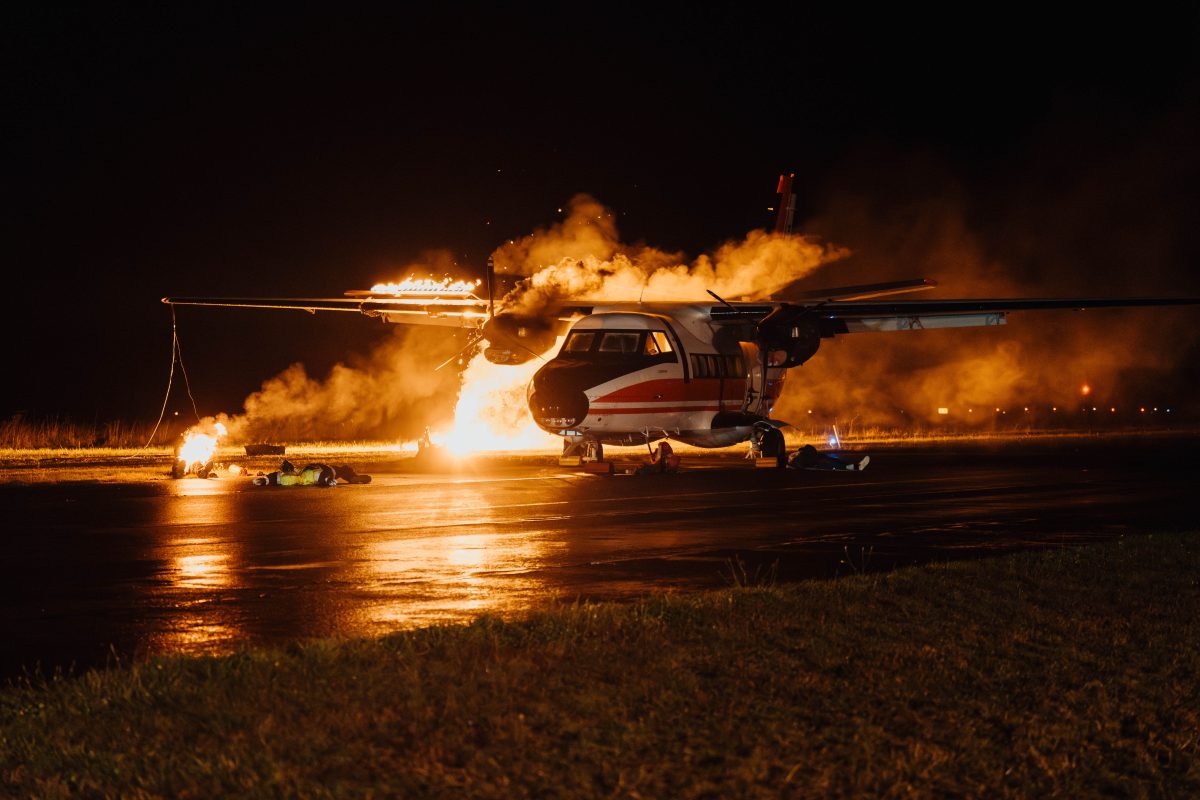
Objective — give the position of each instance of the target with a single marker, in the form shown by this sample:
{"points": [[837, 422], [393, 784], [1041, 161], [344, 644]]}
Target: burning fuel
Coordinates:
{"points": [[428, 287], [199, 449]]}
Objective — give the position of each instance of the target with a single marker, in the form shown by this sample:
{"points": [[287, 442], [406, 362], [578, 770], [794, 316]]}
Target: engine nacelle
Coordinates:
{"points": [[793, 330], [515, 339]]}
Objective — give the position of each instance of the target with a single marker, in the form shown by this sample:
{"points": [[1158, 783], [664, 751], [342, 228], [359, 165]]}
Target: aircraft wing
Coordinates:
{"points": [[837, 317], [457, 312]]}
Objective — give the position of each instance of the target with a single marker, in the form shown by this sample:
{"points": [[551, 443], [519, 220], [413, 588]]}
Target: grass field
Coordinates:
{"points": [[1072, 672]]}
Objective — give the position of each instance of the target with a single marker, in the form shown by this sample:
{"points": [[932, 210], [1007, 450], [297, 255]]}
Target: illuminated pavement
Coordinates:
{"points": [[202, 566]]}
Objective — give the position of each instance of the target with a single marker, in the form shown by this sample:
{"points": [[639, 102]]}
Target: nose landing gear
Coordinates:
{"points": [[581, 450]]}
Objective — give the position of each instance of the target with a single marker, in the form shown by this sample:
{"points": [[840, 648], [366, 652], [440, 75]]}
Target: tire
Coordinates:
{"points": [[773, 445]]}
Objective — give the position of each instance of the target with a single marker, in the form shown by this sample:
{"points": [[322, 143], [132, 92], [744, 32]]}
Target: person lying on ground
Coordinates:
{"points": [[808, 457], [311, 475]]}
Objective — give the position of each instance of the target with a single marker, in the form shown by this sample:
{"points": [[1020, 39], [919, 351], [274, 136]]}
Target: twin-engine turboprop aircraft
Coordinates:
{"points": [[707, 374]]}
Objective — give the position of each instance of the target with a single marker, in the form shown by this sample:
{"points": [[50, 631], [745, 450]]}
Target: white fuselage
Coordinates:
{"points": [[625, 377]]}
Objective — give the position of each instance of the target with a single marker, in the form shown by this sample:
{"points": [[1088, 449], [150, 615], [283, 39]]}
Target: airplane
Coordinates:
{"points": [[707, 374]]}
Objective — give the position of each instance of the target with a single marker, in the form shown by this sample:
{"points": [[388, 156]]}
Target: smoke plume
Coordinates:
{"points": [[582, 258], [1061, 225], [390, 393]]}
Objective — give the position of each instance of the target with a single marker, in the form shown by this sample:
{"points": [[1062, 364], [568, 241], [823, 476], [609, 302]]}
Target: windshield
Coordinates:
{"points": [[649, 347]]}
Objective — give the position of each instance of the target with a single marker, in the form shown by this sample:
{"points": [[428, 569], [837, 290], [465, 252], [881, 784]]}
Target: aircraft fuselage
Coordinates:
{"points": [[627, 378]]}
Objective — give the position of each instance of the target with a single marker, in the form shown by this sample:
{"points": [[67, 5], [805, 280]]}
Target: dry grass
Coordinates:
{"points": [[1065, 673], [21, 434]]}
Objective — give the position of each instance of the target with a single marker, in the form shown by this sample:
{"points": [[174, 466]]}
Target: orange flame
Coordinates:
{"points": [[492, 413], [427, 287], [198, 448]]}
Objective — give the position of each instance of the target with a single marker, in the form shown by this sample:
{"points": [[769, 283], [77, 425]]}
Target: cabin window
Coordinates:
{"points": [[657, 343], [706, 365]]}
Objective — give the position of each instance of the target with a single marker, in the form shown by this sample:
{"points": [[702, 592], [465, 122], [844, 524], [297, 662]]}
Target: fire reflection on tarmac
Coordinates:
{"points": [[473, 573], [199, 574], [198, 566]]}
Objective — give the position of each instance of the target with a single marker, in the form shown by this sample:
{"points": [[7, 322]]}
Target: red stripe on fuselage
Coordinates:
{"points": [[602, 412], [658, 391]]}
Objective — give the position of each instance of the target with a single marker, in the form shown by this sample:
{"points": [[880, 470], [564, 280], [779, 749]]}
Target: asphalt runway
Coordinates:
{"points": [[96, 570]]}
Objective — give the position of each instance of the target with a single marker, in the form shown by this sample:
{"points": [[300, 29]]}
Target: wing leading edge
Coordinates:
{"points": [[449, 312], [900, 315]]}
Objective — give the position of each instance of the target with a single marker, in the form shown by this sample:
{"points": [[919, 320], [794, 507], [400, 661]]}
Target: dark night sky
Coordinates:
{"points": [[185, 151]]}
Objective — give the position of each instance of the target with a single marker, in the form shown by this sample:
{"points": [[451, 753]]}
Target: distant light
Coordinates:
{"points": [[1026, 408], [1143, 410], [810, 411], [1113, 410], [997, 410], [1168, 411], [970, 411], [1054, 409], [943, 410], [1093, 408], [833, 441], [1085, 390]]}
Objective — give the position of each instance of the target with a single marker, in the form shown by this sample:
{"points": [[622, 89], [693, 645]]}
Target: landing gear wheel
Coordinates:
{"points": [[772, 445]]}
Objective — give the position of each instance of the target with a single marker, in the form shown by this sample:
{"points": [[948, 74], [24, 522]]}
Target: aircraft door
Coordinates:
{"points": [[763, 382], [756, 373]]}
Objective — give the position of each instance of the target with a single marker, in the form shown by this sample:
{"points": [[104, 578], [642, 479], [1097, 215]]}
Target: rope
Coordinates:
{"points": [[176, 355], [183, 369]]}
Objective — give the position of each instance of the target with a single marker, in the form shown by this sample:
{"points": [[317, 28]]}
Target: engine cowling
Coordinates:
{"points": [[515, 339], [792, 330]]}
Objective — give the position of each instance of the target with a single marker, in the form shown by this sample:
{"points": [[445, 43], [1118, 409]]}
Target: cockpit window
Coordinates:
{"points": [[579, 342], [636, 348], [620, 342]]}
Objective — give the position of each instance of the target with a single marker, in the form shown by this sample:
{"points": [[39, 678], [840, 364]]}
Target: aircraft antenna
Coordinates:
{"points": [[491, 277], [723, 301]]}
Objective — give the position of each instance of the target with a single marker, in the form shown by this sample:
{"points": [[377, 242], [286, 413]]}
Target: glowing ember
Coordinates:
{"points": [[427, 287], [492, 412], [198, 448]]}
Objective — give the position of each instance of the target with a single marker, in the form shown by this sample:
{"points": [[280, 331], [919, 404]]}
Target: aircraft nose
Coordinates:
{"points": [[556, 397]]}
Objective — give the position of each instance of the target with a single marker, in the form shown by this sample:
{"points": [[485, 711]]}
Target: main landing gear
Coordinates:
{"points": [[767, 446]]}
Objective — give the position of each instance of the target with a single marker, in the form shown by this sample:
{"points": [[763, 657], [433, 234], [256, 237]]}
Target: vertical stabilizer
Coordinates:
{"points": [[787, 203]]}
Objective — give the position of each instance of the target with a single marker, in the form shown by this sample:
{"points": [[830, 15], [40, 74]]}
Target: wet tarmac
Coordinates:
{"points": [[90, 571]]}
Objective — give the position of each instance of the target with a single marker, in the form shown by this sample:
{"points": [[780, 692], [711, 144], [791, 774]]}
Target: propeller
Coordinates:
{"points": [[790, 329], [794, 330]]}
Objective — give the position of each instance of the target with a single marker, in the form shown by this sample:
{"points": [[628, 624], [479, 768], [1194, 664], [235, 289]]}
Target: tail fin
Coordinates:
{"points": [[787, 204]]}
